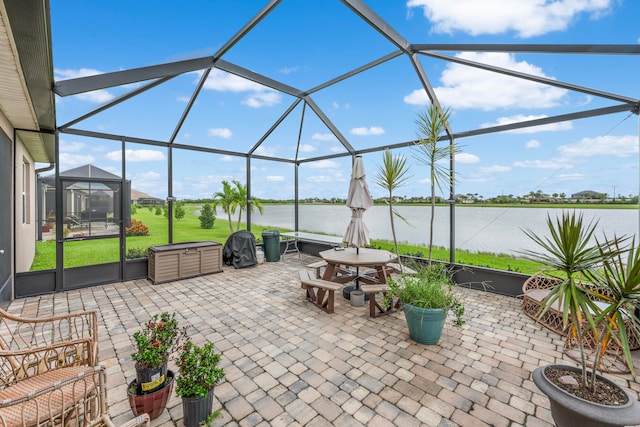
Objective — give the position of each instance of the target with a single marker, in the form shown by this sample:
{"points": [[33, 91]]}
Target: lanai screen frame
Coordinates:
{"points": [[161, 73]]}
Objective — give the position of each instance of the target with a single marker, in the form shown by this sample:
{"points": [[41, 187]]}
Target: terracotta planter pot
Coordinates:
{"points": [[568, 410], [151, 403]]}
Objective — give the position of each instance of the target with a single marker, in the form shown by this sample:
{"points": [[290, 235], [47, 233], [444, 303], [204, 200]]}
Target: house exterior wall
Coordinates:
{"points": [[25, 230], [6, 225]]}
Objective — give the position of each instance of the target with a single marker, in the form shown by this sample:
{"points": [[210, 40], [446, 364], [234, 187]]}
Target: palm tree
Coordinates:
{"points": [[431, 124], [227, 200], [241, 191], [392, 175]]}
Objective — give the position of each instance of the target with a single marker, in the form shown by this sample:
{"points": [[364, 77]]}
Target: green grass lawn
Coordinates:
{"points": [[89, 252]]}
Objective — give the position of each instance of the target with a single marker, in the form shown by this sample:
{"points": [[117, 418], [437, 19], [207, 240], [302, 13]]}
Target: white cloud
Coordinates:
{"points": [[552, 127], [466, 158], [364, 131], [263, 99], [472, 88], [324, 137], [324, 164], [532, 144], [137, 155], [320, 178], [619, 146], [220, 132], [307, 148], [571, 177], [227, 158], [543, 164], [275, 178], [97, 96], [72, 160], [495, 169], [260, 96], [149, 182], [267, 151], [147, 176], [289, 70], [68, 146], [527, 18], [184, 99]]}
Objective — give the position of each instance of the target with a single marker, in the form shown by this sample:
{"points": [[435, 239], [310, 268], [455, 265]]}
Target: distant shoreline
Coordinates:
{"points": [[491, 205]]}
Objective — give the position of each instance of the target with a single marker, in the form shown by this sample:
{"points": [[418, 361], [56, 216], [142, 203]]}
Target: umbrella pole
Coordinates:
{"points": [[357, 271]]}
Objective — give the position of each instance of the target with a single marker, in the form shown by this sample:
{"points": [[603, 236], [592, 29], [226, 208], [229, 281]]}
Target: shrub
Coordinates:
{"points": [[199, 371], [207, 216], [137, 229], [178, 210], [135, 253], [159, 339]]}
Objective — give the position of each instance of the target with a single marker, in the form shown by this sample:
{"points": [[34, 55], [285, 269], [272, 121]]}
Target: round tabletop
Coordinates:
{"points": [[363, 256]]}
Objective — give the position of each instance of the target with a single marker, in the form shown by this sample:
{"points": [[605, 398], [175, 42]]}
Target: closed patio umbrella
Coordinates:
{"points": [[359, 200]]}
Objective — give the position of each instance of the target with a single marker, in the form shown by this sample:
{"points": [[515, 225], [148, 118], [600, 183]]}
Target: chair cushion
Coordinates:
{"points": [[62, 396]]}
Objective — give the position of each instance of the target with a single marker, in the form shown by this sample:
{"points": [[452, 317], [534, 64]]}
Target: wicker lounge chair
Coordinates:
{"points": [[49, 373], [537, 287]]}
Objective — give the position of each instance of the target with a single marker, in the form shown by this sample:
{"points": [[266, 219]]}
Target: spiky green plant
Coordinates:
{"points": [[570, 255], [431, 125], [619, 288], [392, 175]]}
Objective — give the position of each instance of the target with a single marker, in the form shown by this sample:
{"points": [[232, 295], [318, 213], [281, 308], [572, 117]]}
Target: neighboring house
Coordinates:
{"points": [[140, 198], [27, 125], [588, 196]]}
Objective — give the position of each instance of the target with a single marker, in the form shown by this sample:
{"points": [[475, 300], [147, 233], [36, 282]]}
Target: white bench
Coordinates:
{"points": [[318, 291], [292, 238]]}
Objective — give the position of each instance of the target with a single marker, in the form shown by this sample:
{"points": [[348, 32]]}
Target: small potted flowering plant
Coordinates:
{"points": [[159, 338], [198, 375]]}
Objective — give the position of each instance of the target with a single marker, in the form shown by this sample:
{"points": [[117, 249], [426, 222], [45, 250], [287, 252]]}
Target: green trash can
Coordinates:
{"points": [[271, 245]]}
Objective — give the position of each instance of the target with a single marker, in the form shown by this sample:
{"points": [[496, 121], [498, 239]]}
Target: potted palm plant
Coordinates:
{"points": [[158, 340], [426, 297], [595, 313], [197, 377]]}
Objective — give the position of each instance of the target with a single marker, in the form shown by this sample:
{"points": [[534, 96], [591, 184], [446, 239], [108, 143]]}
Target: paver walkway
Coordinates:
{"points": [[288, 363]]}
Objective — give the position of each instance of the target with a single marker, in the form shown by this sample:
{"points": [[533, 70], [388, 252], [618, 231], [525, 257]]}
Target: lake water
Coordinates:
{"points": [[478, 229]]}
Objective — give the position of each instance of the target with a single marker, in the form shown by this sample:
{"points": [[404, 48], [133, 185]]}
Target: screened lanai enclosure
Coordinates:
{"points": [[298, 128]]}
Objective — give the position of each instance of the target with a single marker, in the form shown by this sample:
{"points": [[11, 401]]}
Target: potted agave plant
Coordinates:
{"points": [[597, 313], [158, 340], [198, 375], [426, 297]]}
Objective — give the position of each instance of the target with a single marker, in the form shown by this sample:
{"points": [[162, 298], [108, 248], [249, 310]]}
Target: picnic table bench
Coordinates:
{"points": [[376, 308], [318, 291]]}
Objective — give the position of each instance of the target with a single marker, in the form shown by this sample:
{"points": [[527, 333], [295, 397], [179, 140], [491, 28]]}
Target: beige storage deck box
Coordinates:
{"points": [[182, 260]]}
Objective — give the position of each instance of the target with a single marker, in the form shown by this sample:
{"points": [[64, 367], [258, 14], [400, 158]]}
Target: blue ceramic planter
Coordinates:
{"points": [[425, 324]]}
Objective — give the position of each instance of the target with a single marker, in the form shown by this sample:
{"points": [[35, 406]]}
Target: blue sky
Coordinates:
{"points": [[304, 44]]}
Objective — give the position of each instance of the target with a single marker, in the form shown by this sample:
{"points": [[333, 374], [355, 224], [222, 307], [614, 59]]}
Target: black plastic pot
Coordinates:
{"points": [[151, 379], [197, 409], [568, 410]]}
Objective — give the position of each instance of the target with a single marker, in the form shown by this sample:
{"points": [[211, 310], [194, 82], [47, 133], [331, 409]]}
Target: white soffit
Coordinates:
{"points": [[15, 103]]}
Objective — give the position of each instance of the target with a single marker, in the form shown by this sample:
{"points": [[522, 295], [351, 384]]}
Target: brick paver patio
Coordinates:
{"points": [[288, 363]]}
